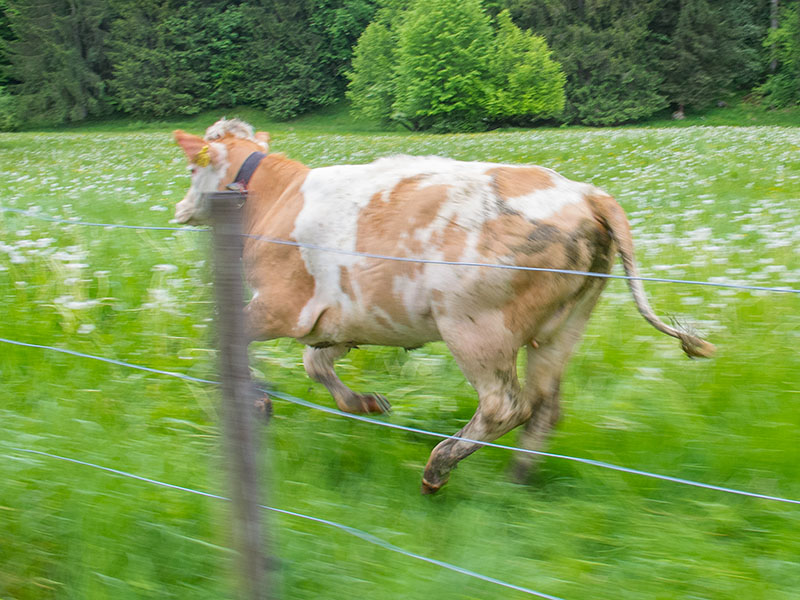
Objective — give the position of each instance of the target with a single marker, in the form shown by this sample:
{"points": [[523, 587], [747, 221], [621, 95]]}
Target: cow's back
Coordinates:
{"points": [[435, 209]]}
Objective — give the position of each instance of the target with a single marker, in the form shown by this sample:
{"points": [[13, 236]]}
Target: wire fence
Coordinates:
{"points": [[367, 537], [300, 402], [316, 247], [358, 533]]}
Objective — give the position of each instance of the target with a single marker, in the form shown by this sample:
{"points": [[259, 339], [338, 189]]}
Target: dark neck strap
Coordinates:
{"points": [[247, 169]]}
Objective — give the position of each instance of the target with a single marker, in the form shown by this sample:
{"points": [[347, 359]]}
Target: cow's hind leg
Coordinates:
{"points": [[491, 369], [544, 371], [319, 366], [542, 392]]}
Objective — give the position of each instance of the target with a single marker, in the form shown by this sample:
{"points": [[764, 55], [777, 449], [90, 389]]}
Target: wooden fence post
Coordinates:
{"points": [[238, 397]]}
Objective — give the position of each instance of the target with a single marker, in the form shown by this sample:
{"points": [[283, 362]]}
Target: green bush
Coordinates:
{"points": [[372, 79], [441, 66], [527, 81], [782, 88]]}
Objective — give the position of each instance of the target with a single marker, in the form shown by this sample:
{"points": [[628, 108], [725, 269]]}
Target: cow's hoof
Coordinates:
{"points": [[429, 488], [263, 407], [376, 403], [520, 474]]}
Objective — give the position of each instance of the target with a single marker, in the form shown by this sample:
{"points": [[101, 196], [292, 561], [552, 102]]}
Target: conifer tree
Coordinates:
{"points": [[298, 50], [6, 36], [57, 57], [696, 61], [156, 50], [608, 53]]}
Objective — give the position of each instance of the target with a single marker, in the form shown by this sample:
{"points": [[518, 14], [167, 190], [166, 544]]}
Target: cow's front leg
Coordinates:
{"points": [[319, 366]]}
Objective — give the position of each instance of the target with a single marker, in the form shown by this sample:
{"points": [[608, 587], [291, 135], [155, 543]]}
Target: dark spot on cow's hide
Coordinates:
{"points": [[503, 208], [597, 241], [585, 245], [540, 239], [504, 375]]}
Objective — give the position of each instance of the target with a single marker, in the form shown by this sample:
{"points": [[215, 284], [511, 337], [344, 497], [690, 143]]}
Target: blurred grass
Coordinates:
{"points": [[704, 202]]}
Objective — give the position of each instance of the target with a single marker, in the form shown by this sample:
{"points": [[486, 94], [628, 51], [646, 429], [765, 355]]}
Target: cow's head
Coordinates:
{"points": [[214, 161]]}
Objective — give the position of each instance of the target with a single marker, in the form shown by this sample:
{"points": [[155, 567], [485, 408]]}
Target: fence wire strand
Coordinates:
{"points": [[294, 400], [364, 536], [358, 533], [316, 247]]}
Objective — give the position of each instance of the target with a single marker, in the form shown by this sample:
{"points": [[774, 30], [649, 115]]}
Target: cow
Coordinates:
{"points": [[426, 211]]}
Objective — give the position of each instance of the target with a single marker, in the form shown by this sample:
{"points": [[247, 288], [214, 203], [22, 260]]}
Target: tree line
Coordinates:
{"points": [[426, 64]]}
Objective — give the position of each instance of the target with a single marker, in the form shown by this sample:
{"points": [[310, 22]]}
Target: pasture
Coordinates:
{"points": [[710, 204]]}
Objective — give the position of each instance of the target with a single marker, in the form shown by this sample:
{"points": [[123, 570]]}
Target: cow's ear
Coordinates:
{"points": [[263, 139], [197, 150], [192, 145]]}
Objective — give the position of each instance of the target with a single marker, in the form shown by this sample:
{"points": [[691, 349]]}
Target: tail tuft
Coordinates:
{"points": [[694, 347], [608, 212], [692, 344]]}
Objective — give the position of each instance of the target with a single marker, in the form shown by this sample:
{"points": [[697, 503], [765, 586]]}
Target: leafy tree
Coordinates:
{"points": [[782, 87], [527, 81], [57, 56], [442, 64], [372, 80], [372, 77]]}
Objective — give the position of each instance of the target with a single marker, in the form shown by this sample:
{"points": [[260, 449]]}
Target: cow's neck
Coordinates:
{"points": [[271, 187]]}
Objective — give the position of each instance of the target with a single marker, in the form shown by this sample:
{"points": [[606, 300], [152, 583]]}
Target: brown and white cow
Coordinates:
{"points": [[424, 207]]}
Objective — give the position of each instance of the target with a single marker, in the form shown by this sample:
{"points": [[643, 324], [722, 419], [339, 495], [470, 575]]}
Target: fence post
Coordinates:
{"points": [[238, 396]]}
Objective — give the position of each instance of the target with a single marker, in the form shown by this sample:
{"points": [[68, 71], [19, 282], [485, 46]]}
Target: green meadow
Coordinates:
{"points": [[714, 204]]}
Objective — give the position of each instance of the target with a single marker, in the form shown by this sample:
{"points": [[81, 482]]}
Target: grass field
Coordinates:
{"points": [[712, 204]]}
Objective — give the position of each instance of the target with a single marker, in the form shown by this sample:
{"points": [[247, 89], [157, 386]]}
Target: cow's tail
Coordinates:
{"points": [[610, 214]]}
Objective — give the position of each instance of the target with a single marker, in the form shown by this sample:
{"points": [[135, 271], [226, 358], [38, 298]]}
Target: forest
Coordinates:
{"points": [[422, 64]]}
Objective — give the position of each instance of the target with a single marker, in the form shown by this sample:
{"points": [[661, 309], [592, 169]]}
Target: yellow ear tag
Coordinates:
{"points": [[202, 159]]}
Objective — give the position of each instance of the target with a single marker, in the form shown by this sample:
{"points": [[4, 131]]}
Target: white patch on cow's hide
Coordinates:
{"points": [[335, 196], [546, 202], [194, 208]]}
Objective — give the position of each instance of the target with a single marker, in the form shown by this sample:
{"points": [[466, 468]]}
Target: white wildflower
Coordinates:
{"points": [[166, 268]]}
